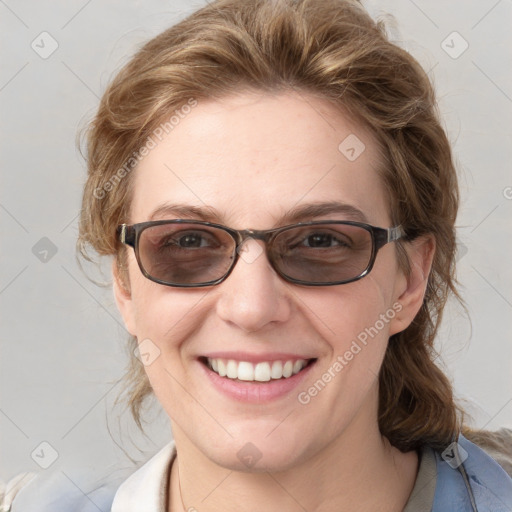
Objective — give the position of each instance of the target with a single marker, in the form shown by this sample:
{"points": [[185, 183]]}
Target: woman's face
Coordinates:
{"points": [[254, 160]]}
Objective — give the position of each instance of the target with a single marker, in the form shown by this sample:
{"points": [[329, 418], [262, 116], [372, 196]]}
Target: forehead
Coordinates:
{"points": [[252, 158]]}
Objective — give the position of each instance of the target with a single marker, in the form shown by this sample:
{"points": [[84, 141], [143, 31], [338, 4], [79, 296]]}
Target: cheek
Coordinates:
{"points": [[165, 314], [164, 317], [355, 322], [352, 311]]}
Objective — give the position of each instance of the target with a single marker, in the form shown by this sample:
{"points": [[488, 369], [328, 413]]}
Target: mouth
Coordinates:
{"points": [[260, 372]]}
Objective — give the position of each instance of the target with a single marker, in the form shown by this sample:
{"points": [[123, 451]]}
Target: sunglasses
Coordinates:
{"points": [[192, 253]]}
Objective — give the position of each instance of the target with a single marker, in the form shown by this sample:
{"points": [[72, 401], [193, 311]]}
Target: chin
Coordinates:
{"points": [[259, 452], [250, 459]]}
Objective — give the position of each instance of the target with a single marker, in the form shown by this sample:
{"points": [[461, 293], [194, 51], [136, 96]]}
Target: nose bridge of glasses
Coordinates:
{"points": [[251, 255], [255, 234]]}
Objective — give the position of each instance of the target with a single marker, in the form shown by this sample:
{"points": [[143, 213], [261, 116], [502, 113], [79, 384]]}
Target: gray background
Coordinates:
{"points": [[62, 342]]}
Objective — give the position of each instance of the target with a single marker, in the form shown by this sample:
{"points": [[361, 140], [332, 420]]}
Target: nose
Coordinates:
{"points": [[253, 295]]}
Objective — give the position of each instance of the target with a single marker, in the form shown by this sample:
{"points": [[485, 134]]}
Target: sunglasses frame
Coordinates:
{"points": [[129, 234]]}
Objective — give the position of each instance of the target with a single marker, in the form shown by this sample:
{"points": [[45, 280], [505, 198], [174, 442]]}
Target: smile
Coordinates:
{"points": [[263, 371]]}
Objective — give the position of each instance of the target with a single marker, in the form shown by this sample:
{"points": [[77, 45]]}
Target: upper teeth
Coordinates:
{"points": [[261, 372]]}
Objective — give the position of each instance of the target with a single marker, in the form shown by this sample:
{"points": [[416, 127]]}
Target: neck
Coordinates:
{"points": [[359, 470]]}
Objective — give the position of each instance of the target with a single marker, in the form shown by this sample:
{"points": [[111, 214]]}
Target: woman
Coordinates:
{"points": [[279, 197]]}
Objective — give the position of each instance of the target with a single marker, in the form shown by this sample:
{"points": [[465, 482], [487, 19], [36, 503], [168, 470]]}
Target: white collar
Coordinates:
{"points": [[146, 489]]}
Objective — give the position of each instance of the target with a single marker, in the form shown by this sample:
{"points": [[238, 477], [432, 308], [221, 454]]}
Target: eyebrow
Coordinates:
{"points": [[300, 213]]}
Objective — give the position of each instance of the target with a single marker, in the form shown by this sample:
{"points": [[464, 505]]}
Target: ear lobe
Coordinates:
{"points": [[412, 288], [123, 297]]}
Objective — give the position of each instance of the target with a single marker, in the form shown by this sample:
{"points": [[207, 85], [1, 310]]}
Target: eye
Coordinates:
{"points": [[316, 240], [190, 240], [319, 239]]}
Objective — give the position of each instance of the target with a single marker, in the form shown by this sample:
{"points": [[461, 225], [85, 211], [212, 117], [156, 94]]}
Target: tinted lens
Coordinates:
{"points": [[323, 253], [185, 253]]}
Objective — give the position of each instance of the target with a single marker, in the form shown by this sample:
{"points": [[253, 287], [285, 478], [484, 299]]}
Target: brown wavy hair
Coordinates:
{"points": [[335, 51]]}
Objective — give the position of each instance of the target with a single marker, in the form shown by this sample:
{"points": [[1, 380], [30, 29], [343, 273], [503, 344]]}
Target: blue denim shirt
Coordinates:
{"points": [[473, 482], [468, 480]]}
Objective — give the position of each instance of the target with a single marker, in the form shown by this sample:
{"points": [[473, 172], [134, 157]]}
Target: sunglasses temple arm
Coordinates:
{"points": [[395, 233]]}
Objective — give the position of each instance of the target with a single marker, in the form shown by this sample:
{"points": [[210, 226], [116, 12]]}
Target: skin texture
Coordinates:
{"points": [[254, 157]]}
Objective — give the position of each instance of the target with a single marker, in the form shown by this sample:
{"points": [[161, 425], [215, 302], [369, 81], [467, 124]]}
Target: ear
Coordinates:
{"points": [[410, 289], [123, 298]]}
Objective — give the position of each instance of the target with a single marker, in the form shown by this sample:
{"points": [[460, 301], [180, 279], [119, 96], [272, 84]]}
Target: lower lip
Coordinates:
{"points": [[256, 392]]}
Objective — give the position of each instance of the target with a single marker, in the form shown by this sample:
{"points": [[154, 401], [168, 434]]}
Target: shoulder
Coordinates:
{"points": [[83, 491], [496, 444], [147, 488], [61, 491], [468, 478]]}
